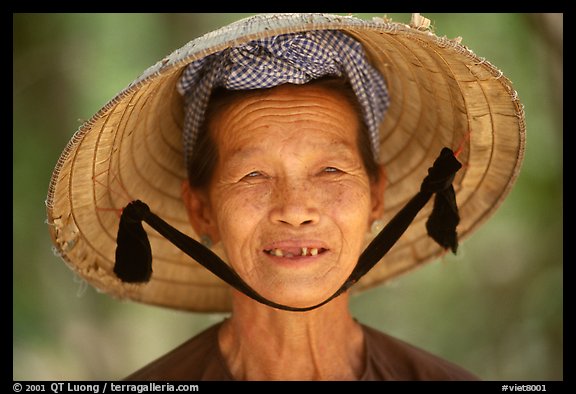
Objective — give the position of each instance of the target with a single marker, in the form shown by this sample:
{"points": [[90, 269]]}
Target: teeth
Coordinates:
{"points": [[304, 252]]}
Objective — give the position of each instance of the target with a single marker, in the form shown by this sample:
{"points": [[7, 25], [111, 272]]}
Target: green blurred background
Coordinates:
{"points": [[496, 308]]}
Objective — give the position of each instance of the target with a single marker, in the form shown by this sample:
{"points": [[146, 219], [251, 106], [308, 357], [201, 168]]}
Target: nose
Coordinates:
{"points": [[295, 204]]}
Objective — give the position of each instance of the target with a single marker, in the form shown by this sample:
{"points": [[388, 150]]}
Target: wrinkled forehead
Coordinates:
{"points": [[302, 117], [313, 108], [307, 99]]}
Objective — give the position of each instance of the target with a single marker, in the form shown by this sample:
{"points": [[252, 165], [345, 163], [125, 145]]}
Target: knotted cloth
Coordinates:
{"points": [[295, 58]]}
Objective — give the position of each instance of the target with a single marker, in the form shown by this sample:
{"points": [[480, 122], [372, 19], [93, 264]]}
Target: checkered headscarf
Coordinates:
{"points": [[288, 58]]}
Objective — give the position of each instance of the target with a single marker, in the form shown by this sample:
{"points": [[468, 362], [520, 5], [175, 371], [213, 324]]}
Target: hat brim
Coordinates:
{"points": [[441, 94]]}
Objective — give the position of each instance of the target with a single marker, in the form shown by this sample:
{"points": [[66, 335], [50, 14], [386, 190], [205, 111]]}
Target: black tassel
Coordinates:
{"points": [[441, 224], [133, 252]]}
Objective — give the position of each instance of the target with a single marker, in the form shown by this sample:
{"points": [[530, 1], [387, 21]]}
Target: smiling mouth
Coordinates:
{"points": [[295, 252]]}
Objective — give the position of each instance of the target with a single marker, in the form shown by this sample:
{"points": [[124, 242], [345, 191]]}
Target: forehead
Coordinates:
{"points": [[306, 113]]}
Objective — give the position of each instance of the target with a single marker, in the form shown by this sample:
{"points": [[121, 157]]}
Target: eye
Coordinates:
{"points": [[331, 170], [253, 176]]}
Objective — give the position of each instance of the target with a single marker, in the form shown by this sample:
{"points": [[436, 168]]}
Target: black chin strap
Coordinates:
{"points": [[134, 255]]}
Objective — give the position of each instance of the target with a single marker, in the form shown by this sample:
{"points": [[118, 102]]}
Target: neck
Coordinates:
{"points": [[262, 343]]}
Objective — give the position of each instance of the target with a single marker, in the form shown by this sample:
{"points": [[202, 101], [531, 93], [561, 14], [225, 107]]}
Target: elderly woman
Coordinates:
{"points": [[271, 152]]}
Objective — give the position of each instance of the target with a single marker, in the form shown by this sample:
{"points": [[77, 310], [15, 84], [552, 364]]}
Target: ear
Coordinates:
{"points": [[199, 210], [377, 189]]}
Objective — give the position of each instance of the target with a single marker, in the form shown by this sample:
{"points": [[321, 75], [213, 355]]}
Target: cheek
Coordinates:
{"points": [[351, 199], [238, 212], [351, 208]]}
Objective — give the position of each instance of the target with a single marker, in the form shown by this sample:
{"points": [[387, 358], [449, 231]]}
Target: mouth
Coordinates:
{"points": [[294, 252]]}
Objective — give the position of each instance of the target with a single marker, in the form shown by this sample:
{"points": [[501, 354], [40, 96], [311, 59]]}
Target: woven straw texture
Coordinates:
{"points": [[442, 94]]}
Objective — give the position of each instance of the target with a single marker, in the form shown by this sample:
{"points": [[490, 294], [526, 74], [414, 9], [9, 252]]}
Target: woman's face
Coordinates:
{"points": [[290, 199]]}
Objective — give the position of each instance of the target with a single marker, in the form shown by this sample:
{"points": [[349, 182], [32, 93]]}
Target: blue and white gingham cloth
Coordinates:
{"points": [[288, 58]]}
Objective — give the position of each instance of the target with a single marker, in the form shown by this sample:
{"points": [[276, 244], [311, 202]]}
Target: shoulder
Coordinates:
{"points": [[389, 358], [196, 359]]}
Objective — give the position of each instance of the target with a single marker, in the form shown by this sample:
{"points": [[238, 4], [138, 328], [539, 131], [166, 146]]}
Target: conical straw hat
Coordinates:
{"points": [[441, 94]]}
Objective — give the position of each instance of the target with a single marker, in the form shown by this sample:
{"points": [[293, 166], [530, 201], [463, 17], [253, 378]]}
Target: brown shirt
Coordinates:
{"points": [[387, 358]]}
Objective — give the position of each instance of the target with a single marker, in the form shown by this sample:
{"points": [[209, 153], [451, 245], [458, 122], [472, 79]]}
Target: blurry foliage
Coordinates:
{"points": [[495, 308]]}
